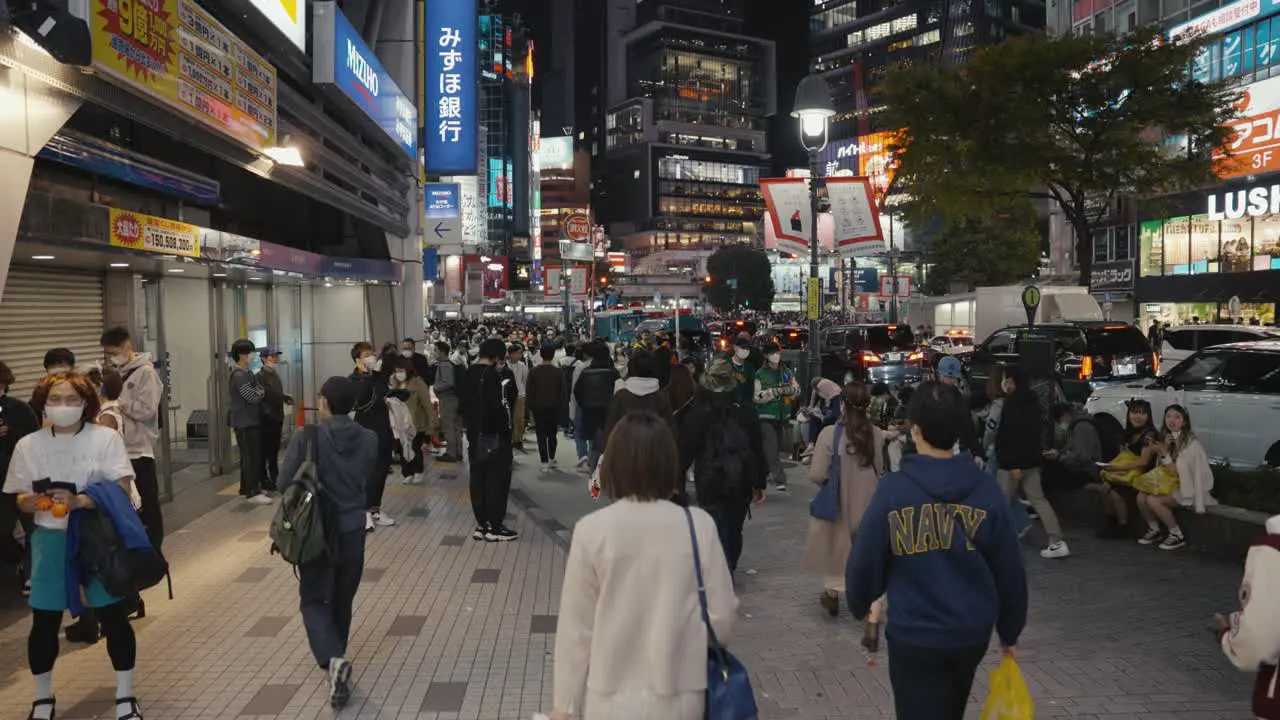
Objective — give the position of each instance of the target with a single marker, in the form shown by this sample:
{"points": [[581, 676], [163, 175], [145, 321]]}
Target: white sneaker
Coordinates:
{"points": [[553, 463], [261, 499], [368, 522], [382, 519], [1056, 551], [545, 467], [808, 450], [408, 479], [582, 462]]}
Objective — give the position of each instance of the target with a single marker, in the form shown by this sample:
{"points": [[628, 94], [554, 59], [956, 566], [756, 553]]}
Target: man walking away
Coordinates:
{"points": [[1020, 454], [371, 412], [938, 539], [491, 397], [446, 389], [545, 397], [272, 414], [520, 371], [772, 391], [720, 440], [345, 454], [247, 394]]}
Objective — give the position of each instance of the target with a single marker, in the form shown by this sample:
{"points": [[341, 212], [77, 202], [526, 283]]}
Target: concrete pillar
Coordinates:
{"points": [[30, 113]]}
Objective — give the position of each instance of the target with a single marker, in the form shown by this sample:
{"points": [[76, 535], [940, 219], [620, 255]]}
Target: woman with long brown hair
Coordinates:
{"points": [[849, 452]]}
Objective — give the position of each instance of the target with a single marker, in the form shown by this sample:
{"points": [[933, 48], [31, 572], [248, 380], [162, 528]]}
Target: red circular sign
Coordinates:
{"points": [[577, 227]]}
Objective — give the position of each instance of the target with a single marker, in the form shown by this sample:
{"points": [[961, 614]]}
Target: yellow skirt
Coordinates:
{"points": [[1161, 481], [1123, 477]]}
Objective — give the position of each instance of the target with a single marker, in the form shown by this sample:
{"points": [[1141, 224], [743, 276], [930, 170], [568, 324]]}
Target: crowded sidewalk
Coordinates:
{"points": [[1116, 632], [445, 628]]}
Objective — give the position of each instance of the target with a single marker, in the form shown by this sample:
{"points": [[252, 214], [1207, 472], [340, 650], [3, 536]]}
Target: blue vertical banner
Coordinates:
{"points": [[452, 46], [430, 264]]}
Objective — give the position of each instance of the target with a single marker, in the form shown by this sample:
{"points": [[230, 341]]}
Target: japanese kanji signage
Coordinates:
{"points": [[449, 136], [342, 59], [176, 53]]}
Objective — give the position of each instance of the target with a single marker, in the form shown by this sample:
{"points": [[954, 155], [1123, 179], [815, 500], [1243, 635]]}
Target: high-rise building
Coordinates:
{"points": [[684, 144], [853, 43]]}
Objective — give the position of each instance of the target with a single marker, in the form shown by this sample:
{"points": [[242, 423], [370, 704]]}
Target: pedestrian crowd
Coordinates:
{"points": [[922, 494]]}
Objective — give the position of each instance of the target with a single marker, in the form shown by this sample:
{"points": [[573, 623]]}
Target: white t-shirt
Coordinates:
{"points": [[95, 453]]}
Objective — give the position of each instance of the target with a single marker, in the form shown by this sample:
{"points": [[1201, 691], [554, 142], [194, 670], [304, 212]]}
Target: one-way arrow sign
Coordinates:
{"points": [[444, 232]]}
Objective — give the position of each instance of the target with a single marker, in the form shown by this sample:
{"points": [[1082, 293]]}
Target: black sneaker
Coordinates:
{"points": [[1173, 541], [480, 532], [1152, 537], [82, 631], [339, 682], [500, 533]]}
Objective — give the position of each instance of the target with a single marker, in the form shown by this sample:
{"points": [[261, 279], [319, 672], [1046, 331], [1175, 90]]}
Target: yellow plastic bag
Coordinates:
{"points": [[1008, 697]]}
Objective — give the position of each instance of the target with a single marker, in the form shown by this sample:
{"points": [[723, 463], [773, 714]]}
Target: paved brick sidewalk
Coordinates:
{"points": [[444, 627], [1116, 631]]}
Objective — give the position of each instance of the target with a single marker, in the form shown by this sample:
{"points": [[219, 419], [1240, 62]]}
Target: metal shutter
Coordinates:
{"points": [[45, 309]]}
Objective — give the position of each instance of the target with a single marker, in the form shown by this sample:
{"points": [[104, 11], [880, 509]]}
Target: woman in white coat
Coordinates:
{"points": [[630, 635], [1251, 637]]}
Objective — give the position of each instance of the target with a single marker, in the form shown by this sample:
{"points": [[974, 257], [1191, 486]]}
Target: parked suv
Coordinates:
{"points": [[1182, 341], [1231, 391], [872, 353], [1093, 353]]}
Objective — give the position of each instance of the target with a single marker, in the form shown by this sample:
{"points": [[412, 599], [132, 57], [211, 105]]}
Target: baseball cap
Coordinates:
{"points": [[949, 367], [270, 350]]}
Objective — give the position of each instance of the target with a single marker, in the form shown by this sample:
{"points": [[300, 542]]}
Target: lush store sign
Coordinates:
{"points": [[450, 135], [1251, 202], [342, 59]]}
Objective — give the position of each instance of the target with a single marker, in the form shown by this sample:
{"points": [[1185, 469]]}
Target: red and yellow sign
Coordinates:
{"points": [[876, 161], [1254, 147], [175, 52], [135, 231]]}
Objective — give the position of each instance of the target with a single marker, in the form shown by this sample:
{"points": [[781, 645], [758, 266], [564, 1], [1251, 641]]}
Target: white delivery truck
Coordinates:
{"points": [[988, 309]]}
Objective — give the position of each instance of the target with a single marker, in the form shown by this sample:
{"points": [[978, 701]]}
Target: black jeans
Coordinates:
{"points": [[730, 516], [544, 426], [42, 641], [148, 484], [327, 591], [271, 432], [251, 466], [490, 480], [378, 483], [414, 460], [932, 683]]}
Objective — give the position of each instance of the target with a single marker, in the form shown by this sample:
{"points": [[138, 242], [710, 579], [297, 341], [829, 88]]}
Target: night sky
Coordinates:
{"points": [[783, 21]]}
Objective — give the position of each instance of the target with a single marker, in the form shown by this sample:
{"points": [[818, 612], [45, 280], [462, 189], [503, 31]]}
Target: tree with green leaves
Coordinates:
{"points": [[999, 249], [1075, 120], [740, 277]]}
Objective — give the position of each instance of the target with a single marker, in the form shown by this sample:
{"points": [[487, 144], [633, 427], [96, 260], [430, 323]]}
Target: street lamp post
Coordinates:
{"points": [[813, 109]]}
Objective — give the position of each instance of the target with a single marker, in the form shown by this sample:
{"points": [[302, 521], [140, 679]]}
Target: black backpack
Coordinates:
{"points": [[298, 530], [726, 464], [123, 571]]}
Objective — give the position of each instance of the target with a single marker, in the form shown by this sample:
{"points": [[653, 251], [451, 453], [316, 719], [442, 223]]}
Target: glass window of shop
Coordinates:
{"points": [[1205, 313], [675, 167], [1195, 245]]}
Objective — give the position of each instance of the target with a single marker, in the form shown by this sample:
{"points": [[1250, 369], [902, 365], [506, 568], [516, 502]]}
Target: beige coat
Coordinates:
{"points": [[829, 543]]}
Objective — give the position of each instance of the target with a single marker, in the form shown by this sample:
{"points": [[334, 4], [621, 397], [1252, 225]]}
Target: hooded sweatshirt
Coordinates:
{"points": [[638, 394], [345, 455], [140, 405], [1252, 642], [937, 538]]}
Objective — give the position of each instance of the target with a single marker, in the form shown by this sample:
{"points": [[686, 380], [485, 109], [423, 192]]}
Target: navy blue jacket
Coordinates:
{"points": [[937, 538]]}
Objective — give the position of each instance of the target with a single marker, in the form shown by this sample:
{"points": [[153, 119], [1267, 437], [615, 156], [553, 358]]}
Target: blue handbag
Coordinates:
{"points": [[826, 504], [729, 695]]}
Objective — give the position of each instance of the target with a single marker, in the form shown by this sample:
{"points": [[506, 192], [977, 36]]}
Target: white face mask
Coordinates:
{"points": [[401, 376], [406, 353], [370, 363], [120, 360], [741, 353], [64, 415], [774, 359]]}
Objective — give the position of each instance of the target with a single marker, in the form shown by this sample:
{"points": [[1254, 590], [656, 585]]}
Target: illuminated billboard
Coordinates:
{"points": [[556, 153]]}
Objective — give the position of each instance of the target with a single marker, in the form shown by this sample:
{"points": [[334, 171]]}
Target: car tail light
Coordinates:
{"points": [[1086, 367], [915, 357], [869, 357]]}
